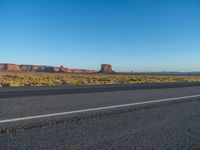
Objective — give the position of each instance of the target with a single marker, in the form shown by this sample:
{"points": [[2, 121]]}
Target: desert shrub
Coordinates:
{"points": [[56, 79]]}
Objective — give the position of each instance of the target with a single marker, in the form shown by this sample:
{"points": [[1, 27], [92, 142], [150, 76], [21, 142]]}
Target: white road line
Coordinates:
{"points": [[95, 109]]}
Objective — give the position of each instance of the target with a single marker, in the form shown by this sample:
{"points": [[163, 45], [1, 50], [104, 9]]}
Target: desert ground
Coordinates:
{"points": [[17, 79]]}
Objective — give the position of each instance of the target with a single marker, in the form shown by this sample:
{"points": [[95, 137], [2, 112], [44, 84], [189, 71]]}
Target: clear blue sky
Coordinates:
{"points": [[138, 35]]}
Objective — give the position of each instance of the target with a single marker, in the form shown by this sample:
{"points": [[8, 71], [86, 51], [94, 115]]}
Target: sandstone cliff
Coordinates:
{"points": [[37, 68], [106, 68]]}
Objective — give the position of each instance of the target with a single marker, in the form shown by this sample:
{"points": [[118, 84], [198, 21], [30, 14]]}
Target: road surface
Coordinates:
{"points": [[126, 118]]}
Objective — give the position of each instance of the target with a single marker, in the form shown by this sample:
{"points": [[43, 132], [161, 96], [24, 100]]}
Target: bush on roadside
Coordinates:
{"points": [[55, 79]]}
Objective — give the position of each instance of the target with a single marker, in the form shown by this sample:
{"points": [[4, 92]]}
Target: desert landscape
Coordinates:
{"points": [[29, 75], [99, 75]]}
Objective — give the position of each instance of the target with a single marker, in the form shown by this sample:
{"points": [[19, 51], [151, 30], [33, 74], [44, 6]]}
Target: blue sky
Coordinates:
{"points": [[132, 35]]}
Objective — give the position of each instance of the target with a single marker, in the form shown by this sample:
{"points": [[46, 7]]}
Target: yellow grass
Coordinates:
{"points": [[13, 79]]}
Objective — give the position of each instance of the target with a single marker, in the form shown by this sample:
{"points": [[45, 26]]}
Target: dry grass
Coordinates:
{"points": [[55, 79]]}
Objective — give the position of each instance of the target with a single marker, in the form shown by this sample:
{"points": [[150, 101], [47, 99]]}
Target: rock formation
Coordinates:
{"points": [[12, 67], [106, 68], [2, 67], [37, 68]]}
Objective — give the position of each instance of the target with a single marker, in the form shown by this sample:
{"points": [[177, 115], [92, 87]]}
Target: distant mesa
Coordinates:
{"points": [[105, 68], [39, 68]]}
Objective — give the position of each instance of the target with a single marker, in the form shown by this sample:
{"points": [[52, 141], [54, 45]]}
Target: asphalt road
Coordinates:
{"points": [[163, 125], [42, 91]]}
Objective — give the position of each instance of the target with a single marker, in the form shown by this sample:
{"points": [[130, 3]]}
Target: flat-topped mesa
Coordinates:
{"points": [[106, 68], [38, 68], [12, 67]]}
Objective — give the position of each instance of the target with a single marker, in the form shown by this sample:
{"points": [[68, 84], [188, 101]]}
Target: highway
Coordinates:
{"points": [[149, 116]]}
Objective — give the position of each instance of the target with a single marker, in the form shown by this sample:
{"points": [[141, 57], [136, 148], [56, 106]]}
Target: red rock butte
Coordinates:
{"points": [[106, 68]]}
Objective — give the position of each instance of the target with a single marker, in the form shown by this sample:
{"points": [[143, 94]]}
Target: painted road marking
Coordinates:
{"points": [[95, 109]]}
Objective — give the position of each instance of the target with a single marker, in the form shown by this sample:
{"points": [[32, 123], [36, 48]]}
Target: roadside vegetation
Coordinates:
{"points": [[13, 79]]}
